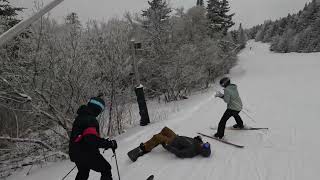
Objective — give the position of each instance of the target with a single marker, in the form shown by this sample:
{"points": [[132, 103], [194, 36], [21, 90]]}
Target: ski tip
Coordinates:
{"points": [[245, 128], [222, 140], [150, 177]]}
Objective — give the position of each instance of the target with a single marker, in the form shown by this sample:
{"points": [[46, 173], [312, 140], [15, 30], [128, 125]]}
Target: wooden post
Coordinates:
{"points": [[143, 109]]}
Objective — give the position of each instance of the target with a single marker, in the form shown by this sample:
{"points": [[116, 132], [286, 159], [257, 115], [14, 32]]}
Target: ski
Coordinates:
{"points": [[250, 128], [221, 140], [243, 129], [151, 177]]}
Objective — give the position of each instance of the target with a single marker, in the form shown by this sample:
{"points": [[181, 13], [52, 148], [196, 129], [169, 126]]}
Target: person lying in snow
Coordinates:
{"points": [[234, 106], [181, 146]]}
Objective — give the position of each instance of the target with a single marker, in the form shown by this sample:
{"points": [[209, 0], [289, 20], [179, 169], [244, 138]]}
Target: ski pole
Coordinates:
{"points": [[249, 116], [115, 156], [69, 172], [244, 111]]}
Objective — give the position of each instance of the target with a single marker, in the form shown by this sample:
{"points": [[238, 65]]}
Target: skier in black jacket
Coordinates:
{"points": [[85, 142], [181, 146]]}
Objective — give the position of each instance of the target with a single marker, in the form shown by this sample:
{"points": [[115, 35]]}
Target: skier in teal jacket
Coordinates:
{"points": [[234, 106]]}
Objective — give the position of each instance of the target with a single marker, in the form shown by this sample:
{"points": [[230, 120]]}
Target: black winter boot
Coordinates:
{"points": [[137, 152], [218, 136], [142, 147], [237, 126]]}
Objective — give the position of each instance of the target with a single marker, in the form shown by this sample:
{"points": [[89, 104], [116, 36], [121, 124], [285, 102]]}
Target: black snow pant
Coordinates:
{"points": [[93, 162], [227, 114]]}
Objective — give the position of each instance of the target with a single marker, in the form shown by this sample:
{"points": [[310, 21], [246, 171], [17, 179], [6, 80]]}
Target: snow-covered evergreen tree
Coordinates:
{"points": [[242, 38], [220, 20], [156, 15], [294, 33], [8, 15], [200, 3], [156, 22]]}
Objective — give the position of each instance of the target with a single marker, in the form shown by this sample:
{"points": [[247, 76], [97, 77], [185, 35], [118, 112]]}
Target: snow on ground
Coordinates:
{"points": [[280, 91]]}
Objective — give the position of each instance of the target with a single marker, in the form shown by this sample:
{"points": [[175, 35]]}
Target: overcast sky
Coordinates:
{"points": [[248, 12]]}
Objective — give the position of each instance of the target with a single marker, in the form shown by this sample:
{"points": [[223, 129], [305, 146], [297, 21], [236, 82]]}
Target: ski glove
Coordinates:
{"points": [[219, 94], [109, 144], [114, 144]]}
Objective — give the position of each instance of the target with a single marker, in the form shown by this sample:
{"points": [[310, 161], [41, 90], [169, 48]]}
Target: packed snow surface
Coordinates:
{"points": [[279, 91]]}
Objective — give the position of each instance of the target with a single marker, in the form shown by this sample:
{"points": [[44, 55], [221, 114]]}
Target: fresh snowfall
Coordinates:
{"points": [[279, 91]]}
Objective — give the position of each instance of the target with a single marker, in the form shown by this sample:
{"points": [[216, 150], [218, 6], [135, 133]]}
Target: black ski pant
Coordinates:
{"points": [[227, 114], [94, 162]]}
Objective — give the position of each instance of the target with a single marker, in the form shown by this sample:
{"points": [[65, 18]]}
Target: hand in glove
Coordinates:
{"points": [[219, 94], [114, 144], [110, 144]]}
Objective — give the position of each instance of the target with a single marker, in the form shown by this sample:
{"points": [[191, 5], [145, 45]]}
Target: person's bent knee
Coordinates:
{"points": [[165, 129]]}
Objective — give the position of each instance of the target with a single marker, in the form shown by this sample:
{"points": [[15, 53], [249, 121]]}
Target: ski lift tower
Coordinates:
{"points": [[18, 28]]}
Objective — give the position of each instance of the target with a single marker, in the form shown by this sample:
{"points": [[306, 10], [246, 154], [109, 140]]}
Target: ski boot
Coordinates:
{"points": [[237, 126], [137, 152], [216, 135]]}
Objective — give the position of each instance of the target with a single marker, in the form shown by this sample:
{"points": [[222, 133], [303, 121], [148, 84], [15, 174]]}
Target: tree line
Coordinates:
{"points": [[298, 32]]}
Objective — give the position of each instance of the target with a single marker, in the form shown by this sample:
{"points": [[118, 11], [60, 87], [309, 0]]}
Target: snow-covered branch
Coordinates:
{"points": [[27, 141]]}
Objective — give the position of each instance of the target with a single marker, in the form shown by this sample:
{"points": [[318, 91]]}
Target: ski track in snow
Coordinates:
{"points": [[280, 91]]}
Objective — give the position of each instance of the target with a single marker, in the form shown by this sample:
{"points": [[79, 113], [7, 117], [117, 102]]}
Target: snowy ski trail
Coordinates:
{"points": [[280, 91]]}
